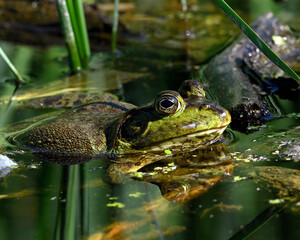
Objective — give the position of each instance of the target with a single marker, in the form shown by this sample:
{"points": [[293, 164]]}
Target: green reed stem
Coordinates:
{"points": [[65, 20], [72, 203], [81, 34], [11, 66], [7, 112], [73, 19], [115, 27], [256, 39], [257, 222]]}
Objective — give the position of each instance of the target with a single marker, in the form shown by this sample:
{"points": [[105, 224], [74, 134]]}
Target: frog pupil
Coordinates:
{"points": [[166, 103]]}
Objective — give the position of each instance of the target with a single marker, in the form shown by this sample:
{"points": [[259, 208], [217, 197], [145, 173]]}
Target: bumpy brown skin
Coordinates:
{"points": [[81, 129], [70, 100], [184, 119]]}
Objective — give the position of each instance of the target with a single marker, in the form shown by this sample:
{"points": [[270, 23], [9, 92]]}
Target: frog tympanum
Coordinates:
{"points": [[180, 120]]}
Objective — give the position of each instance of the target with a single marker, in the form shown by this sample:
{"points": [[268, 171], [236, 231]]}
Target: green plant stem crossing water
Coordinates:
{"points": [[69, 34], [256, 39], [72, 18], [11, 66], [81, 35]]}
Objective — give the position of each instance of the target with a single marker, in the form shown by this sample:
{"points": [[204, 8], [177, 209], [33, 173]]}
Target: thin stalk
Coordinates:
{"points": [[256, 39], [257, 222], [74, 23], [71, 204], [52, 175], [115, 27], [85, 196], [84, 46], [11, 66], [8, 110], [69, 34]]}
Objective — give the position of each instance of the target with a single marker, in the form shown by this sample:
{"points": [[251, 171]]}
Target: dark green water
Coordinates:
{"points": [[41, 200]]}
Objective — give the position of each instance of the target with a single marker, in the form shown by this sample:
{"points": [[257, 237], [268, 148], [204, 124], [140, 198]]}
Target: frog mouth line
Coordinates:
{"points": [[209, 136]]}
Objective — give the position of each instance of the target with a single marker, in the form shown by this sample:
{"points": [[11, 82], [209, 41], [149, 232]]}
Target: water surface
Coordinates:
{"points": [[42, 200]]}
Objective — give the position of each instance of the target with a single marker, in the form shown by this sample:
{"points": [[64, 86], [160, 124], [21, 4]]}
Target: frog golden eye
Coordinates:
{"points": [[168, 103]]}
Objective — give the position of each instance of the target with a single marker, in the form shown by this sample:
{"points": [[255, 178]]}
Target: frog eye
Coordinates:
{"points": [[191, 88], [168, 103]]}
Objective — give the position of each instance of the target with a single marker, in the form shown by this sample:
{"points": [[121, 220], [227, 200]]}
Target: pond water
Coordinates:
{"points": [[257, 197]]}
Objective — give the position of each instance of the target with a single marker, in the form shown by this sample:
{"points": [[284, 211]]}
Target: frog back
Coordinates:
{"points": [[83, 129]]}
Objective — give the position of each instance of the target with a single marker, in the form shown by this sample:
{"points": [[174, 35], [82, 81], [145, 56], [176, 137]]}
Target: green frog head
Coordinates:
{"points": [[182, 120]]}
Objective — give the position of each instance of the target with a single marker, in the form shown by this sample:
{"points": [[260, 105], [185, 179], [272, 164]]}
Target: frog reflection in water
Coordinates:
{"points": [[182, 120], [182, 176]]}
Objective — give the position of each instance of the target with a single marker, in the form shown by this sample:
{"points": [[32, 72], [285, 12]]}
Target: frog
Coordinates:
{"points": [[174, 121]]}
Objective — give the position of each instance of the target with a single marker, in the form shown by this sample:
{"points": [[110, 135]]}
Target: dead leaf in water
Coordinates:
{"points": [[23, 193]]}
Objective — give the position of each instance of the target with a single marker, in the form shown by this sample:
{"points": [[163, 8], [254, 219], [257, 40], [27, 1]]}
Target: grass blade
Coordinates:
{"points": [[11, 66], [257, 222], [115, 27], [81, 34], [73, 19], [256, 39], [65, 20], [72, 203]]}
